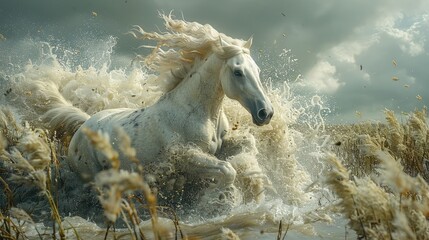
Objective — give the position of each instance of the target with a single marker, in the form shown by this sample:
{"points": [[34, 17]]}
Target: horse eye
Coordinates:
{"points": [[238, 73]]}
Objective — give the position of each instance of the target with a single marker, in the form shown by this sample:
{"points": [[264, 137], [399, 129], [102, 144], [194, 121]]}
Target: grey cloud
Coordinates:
{"points": [[311, 29], [381, 91]]}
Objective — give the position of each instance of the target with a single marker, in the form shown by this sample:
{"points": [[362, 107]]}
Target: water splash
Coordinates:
{"points": [[287, 154]]}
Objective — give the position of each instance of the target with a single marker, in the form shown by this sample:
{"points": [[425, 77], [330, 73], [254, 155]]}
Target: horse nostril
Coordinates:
{"points": [[262, 114]]}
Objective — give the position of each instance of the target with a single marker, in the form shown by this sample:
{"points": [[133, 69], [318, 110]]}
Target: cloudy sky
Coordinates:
{"points": [[361, 56]]}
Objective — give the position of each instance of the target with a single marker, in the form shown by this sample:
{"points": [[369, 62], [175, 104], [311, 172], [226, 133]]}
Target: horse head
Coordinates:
{"points": [[240, 81]]}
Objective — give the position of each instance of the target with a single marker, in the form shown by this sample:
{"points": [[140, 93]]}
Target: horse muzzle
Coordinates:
{"points": [[263, 116]]}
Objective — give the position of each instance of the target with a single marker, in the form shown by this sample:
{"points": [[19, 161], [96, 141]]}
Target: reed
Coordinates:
{"points": [[406, 140], [26, 153], [391, 199], [31, 158], [379, 172], [117, 188]]}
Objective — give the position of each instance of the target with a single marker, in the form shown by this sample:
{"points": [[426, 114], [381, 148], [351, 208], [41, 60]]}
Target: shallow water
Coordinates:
{"points": [[246, 226], [287, 150]]}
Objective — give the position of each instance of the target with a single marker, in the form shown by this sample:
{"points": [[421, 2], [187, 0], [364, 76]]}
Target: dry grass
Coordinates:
{"points": [[407, 142], [381, 183], [113, 184], [27, 153], [384, 192], [28, 157]]}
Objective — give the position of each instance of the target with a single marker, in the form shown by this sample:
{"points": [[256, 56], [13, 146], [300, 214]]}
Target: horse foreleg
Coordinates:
{"points": [[241, 151], [250, 177], [199, 165]]}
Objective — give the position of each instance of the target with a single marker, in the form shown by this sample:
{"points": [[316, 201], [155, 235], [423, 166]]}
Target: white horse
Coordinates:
{"points": [[201, 66]]}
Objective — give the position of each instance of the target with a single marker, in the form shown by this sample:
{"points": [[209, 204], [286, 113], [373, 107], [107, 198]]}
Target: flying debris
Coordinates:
{"points": [[94, 14], [406, 86], [358, 114], [419, 97], [361, 67], [283, 14], [395, 78], [8, 91], [394, 63]]}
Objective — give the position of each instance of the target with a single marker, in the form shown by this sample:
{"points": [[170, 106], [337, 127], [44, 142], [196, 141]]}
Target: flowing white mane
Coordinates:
{"points": [[186, 43]]}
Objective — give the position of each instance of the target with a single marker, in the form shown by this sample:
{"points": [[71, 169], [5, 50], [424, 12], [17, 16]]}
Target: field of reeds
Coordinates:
{"points": [[380, 174], [377, 171]]}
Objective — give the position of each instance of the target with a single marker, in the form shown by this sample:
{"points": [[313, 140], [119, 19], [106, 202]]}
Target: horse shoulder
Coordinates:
{"points": [[222, 126], [204, 134], [150, 131]]}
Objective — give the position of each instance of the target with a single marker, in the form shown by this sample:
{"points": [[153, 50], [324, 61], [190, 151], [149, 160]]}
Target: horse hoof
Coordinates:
{"points": [[228, 172]]}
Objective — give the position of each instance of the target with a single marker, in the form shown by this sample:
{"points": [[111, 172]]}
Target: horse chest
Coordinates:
{"points": [[202, 135]]}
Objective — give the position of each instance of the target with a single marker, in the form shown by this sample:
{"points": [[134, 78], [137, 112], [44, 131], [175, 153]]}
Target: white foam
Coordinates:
{"points": [[279, 158]]}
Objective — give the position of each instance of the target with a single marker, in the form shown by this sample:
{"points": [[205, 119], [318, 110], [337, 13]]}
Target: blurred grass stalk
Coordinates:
{"points": [[114, 183], [27, 153]]}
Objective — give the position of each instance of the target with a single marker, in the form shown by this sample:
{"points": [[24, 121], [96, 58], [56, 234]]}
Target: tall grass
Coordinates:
{"points": [[384, 192], [380, 181], [114, 183], [27, 153], [29, 157]]}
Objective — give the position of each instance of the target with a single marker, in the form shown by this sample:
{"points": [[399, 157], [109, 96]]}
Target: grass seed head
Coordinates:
{"points": [[101, 141]]}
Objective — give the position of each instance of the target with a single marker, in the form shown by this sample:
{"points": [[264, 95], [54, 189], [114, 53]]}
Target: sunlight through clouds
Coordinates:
{"points": [[321, 78], [411, 38], [368, 69], [347, 51]]}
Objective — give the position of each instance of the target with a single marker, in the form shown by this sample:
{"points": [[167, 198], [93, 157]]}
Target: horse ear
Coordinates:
{"points": [[248, 44], [222, 42]]}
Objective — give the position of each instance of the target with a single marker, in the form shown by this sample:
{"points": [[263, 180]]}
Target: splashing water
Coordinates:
{"points": [[287, 154]]}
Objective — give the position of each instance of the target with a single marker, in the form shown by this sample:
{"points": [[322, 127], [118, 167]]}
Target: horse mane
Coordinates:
{"points": [[186, 44]]}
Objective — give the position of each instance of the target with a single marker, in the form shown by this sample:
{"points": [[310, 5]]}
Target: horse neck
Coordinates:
{"points": [[201, 90]]}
